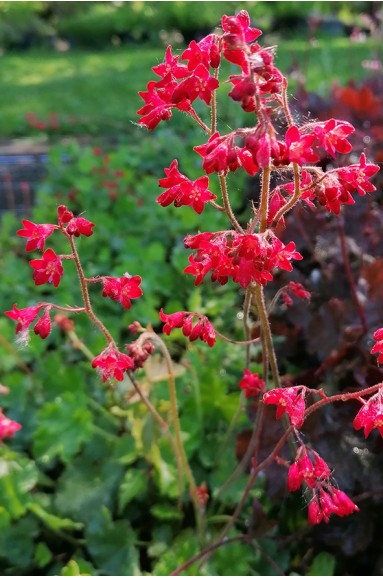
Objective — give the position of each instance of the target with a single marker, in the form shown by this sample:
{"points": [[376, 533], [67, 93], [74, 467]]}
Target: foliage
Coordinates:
{"points": [[89, 485]]}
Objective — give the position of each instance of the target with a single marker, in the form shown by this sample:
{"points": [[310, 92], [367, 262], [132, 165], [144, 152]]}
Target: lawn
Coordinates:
{"points": [[100, 88]]}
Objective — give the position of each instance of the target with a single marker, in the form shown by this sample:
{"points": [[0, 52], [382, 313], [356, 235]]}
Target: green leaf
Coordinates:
{"points": [[134, 484], [166, 512], [17, 542], [42, 555], [17, 479], [78, 567], [183, 548], [90, 481], [322, 565], [111, 545], [53, 522], [65, 424]]}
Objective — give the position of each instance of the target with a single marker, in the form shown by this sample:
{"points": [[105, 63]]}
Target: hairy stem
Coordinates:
{"points": [[226, 204]]}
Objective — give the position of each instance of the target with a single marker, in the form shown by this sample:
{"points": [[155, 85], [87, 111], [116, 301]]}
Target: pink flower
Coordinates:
{"points": [[298, 290], [171, 65], [80, 226], [23, 317], [290, 400], [48, 269], [332, 136], [112, 363], [299, 147], [378, 347], [198, 85], [43, 326], [309, 467], [370, 415], [251, 384], [8, 427], [204, 52], [203, 329], [357, 176], [122, 289], [172, 321], [329, 500], [36, 234], [63, 215]]}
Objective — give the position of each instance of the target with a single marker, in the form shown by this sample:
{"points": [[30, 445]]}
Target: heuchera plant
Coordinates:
{"points": [[246, 253]]}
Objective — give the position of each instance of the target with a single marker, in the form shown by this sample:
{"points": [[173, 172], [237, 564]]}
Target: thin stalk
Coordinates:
{"points": [[165, 428], [265, 326], [226, 204], [85, 294], [264, 204], [294, 199], [350, 277], [178, 438], [213, 110]]}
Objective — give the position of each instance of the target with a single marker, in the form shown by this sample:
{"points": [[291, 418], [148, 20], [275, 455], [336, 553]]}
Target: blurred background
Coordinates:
{"points": [[86, 487]]}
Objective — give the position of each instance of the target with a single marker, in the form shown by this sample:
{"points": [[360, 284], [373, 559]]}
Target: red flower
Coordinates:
{"points": [[204, 52], [203, 329], [171, 65], [251, 384], [198, 85], [298, 290], [24, 317], [172, 321], [8, 427], [112, 363], [36, 234], [193, 194], [43, 326], [80, 226], [290, 400], [329, 500], [49, 269], [299, 147], [370, 415], [332, 136], [309, 467], [122, 289], [378, 347], [356, 176], [63, 215]]}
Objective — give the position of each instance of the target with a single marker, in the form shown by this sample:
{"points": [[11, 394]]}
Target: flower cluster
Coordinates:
{"points": [[122, 289], [243, 257], [378, 347], [370, 415], [251, 384], [327, 500], [8, 427], [182, 191], [295, 289], [112, 363], [203, 329], [180, 84], [290, 400], [308, 467]]}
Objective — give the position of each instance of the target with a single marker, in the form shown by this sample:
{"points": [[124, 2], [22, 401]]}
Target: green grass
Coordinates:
{"points": [[101, 88]]}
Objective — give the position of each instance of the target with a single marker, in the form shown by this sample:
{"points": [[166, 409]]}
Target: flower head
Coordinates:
{"points": [[8, 427], [290, 400], [378, 347], [329, 500], [36, 235], [112, 363], [309, 467], [122, 289], [48, 269], [251, 384], [370, 415], [23, 317]]}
